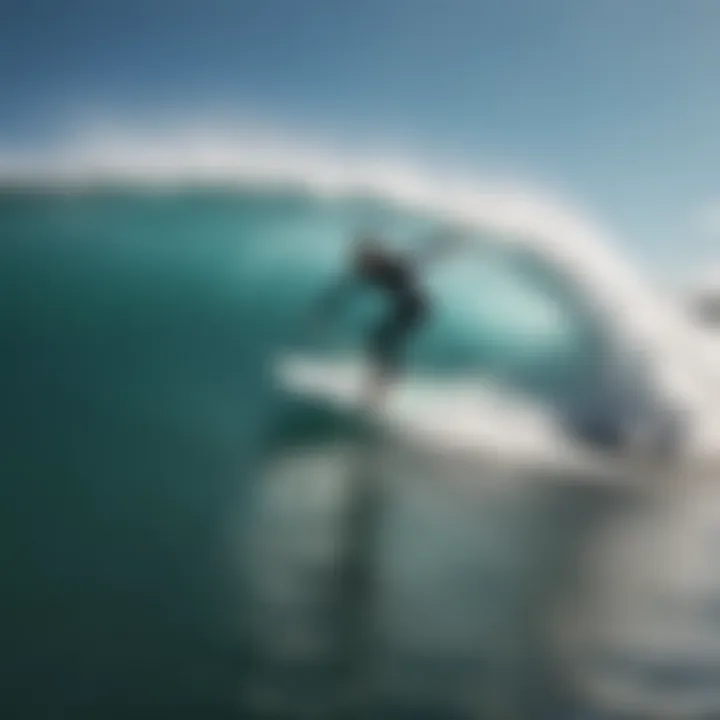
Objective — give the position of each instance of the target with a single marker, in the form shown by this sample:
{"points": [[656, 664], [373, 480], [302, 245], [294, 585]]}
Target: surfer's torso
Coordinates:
{"points": [[391, 275]]}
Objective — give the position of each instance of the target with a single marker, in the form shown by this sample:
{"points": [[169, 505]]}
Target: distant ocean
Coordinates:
{"points": [[172, 522]]}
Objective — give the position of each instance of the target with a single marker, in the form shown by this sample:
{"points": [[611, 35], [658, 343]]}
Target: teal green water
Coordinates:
{"points": [[140, 426]]}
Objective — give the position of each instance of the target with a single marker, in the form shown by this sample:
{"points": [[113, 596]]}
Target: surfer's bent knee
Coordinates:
{"points": [[388, 342]]}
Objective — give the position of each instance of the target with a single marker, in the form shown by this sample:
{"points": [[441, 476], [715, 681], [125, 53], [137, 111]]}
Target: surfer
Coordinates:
{"points": [[396, 277]]}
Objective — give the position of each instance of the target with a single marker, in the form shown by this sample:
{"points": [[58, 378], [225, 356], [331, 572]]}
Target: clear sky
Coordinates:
{"points": [[615, 103]]}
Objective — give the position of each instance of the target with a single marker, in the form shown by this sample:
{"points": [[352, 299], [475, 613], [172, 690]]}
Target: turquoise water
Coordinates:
{"points": [[147, 454]]}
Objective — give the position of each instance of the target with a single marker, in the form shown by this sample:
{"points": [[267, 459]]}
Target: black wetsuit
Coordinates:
{"points": [[395, 277], [408, 309]]}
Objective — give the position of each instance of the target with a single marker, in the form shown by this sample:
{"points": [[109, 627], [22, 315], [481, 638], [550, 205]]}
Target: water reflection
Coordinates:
{"points": [[647, 623], [382, 582]]}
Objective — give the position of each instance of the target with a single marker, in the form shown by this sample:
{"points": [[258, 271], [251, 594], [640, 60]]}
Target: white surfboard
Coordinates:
{"points": [[462, 417]]}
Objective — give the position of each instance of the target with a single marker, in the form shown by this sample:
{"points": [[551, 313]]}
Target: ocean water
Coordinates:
{"points": [[184, 539]]}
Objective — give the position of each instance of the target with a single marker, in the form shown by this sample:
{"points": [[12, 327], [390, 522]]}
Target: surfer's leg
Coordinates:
{"points": [[379, 373], [410, 315], [388, 344], [384, 356]]}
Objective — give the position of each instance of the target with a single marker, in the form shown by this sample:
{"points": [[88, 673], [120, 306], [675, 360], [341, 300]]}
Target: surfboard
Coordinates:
{"points": [[461, 417]]}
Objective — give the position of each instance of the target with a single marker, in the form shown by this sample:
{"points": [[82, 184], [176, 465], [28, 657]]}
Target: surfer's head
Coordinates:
{"points": [[367, 252]]}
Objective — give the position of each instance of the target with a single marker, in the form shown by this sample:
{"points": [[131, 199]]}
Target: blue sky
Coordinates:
{"points": [[615, 103]]}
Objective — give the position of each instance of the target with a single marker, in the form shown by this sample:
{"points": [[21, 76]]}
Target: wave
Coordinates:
{"points": [[643, 333], [288, 203]]}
